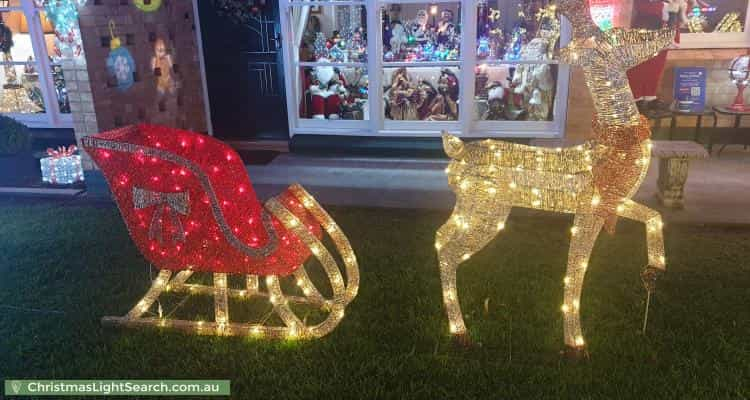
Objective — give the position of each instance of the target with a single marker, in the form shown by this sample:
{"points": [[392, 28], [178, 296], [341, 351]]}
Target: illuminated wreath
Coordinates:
{"points": [[147, 5]]}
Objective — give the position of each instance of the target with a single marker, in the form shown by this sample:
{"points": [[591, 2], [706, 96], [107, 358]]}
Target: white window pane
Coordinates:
{"points": [[333, 93], [15, 41], [421, 93], [21, 92], [332, 33], [49, 35], [421, 32], [505, 30], [515, 92], [61, 91]]}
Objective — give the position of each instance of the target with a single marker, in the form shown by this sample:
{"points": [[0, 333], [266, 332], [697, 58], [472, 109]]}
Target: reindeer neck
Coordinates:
{"points": [[612, 97]]}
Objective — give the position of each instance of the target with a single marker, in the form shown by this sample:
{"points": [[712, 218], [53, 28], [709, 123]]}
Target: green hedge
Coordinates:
{"points": [[15, 137]]}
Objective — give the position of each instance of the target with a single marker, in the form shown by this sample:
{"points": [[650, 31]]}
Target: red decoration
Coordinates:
{"points": [[62, 151], [188, 203]]}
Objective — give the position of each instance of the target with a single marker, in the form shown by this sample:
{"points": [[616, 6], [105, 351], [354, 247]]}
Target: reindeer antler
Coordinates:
{"points": [[579, 15], [605, 57]]}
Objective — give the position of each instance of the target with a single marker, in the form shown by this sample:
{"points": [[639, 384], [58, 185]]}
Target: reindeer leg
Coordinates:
{"points": [[586, 228], [654, 243], [654, 238], [471, 226]]}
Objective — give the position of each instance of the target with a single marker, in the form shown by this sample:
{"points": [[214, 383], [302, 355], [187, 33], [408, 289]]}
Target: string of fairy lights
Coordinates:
{"points": [[594, 181]]}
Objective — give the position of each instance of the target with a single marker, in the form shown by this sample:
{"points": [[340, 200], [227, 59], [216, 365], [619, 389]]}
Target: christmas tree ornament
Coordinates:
{"points": [[147, 5], [594, 181], [189, 206], [739, 74], [120, 63]]}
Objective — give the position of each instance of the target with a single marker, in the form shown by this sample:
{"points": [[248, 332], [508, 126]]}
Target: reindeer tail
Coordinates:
{"points": [[454, 147]]}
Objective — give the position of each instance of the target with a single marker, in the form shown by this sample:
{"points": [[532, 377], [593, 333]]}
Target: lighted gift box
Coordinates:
{"points": [[62, 167]]}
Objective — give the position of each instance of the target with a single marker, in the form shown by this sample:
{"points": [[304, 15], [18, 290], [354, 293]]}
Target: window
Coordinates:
{"points": [[421, 55], [330, 63], [515, 73], [32, 86], [718, 23], [476, 68]]}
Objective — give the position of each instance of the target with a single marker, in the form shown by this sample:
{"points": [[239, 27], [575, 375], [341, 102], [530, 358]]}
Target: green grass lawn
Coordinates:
{"points": [[63, 267]]}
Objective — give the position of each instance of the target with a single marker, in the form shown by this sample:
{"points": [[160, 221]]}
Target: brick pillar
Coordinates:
{"points": [[81, 101]]}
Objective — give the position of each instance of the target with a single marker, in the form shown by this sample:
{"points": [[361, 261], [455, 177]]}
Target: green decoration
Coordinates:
{"points": [[14, 136], [147, 6]]}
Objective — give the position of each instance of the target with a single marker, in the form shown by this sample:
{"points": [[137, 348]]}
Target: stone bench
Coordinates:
{"points": [[674, 159]]}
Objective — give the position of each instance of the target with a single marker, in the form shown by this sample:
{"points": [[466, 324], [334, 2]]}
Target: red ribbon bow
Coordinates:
{"points": [[62, 151]]}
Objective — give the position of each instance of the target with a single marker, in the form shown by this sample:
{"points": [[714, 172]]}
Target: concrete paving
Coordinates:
{"points": [[717, 191]]}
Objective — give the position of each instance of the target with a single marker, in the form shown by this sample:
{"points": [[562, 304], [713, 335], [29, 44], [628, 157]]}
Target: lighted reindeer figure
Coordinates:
{"points": [[594, 181]]}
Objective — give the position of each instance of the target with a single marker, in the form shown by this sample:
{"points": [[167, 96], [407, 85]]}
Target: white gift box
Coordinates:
{"points": [[62, 170]]}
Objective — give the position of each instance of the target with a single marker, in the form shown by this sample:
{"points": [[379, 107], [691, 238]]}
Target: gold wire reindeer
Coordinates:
{"points": [[595, 181]]}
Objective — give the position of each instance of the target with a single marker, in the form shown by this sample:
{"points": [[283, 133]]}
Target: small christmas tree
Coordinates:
{"points": [[320, 47]]}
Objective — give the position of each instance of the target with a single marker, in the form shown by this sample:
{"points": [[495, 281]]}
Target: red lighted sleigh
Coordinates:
{"points": [[189, 206]]}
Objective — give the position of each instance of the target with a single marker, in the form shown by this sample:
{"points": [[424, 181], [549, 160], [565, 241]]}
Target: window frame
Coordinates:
{"points": [[718, 40], [378, 125], [51, 117]]}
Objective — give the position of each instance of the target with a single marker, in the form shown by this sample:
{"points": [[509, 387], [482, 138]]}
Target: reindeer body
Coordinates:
{"points": [[595, 181]]}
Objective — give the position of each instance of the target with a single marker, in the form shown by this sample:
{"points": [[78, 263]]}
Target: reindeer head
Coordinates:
{"points": [[605, 57], [453, 146]]}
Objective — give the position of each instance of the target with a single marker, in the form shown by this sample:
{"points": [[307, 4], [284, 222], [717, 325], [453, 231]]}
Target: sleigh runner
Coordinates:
{"points": [[190, 207]]}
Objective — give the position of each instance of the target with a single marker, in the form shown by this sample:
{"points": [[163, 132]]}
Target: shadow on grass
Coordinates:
{"points": [[63, 268]]}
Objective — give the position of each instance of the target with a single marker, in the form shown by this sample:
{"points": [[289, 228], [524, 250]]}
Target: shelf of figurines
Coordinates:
{"points": [[424, 69], [518, 97]]}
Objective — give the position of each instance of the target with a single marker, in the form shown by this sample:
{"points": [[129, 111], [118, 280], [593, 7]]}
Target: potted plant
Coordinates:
{"points": [[16, 161]]}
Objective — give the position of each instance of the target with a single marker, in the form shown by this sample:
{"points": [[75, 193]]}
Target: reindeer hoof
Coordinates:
{"points": [[462, 340], [577, 353], [649, 277]]}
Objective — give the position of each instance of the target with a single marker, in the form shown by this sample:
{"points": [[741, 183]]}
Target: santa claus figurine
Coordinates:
{"points": [[327, 91], [644, 78]]}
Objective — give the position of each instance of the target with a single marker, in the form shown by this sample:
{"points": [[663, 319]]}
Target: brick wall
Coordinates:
{"points": [[138, 31], [81, 101]]}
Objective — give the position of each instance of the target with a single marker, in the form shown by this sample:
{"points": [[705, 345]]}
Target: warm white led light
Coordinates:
{"points": [[594, 180]]}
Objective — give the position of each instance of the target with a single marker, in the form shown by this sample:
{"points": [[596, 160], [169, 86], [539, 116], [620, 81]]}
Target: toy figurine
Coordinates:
{"points": [[327, 91], [404, 98], [161, 65]]}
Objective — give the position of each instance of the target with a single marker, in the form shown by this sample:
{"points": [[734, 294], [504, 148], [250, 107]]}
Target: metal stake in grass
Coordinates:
{"points": [[645, 314]]}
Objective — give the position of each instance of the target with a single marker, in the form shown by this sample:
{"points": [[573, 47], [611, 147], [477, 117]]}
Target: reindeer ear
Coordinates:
{"points": [[453, 146]]}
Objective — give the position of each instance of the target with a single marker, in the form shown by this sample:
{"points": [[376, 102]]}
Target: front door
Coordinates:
{"points": [[244, 73]]}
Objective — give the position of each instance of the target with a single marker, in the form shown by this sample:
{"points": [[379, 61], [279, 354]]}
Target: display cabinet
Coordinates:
{"points": [[415, 68]]}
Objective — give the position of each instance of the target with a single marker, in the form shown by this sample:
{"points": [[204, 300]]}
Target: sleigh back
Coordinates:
{"points": [[188, 203]]}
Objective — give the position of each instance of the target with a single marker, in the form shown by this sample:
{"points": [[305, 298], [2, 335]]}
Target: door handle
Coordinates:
{"points": [[277, 41]]}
